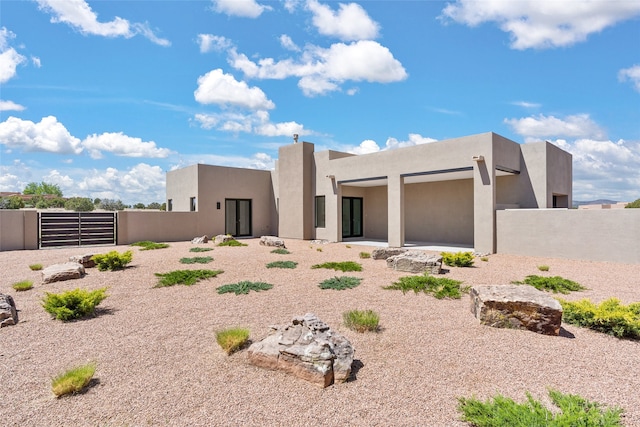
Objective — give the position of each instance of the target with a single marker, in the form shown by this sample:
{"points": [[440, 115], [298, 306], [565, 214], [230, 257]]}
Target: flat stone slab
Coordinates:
{"points": [[59, 272], [8, 311], [516, 307], [272, 241], [416, 262], [384, 253]]}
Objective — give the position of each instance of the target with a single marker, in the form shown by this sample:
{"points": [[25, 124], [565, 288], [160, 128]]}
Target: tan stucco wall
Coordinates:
{"points": [[182, 184], [599, 235], [296, 196], [18, 229], [135, 226]]}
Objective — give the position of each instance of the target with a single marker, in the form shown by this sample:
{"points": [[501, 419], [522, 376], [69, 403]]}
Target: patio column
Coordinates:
{"points": [[484, 206], [395, 211]]}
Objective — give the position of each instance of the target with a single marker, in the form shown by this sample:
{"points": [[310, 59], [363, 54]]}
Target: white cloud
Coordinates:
{"points": [[212, 43], [258, 123], [370, 146], [543, 23], [292, 5], [9, 57], [241, 8], [36, 61], [78, 15], [287, 43], [541, 126], [122, 145], [216, 87], [323, 70], [350, 22], [10, 106], [367, 146], [257, 161], [48, 135], [631, 74], [525, 104]]}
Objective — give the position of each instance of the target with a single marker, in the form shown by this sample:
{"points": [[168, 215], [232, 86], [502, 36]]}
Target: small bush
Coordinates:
{"points": [[244, 287], [361, 321], [610, 317], [504, 412], [347, 246], [365, 255], [73, 304], [184, 277], [282, 264], [340, 266], [484, 259], [232, 340], [147, 245], [196, 260], [543, 267], [73, 380], [199, 249], [232, 242], [112, 260], [555, 284], [634, 204], [36, 267], [340, 283], [280, 251], [458, 259], [439, 287], [23, 285], [319, 249]]}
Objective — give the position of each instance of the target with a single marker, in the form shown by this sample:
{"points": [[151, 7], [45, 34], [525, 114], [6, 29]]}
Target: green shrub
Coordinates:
{"points": [[610, 317], [458, 259], [634, 204], [555, 284], [365, 255], [184, 277], [148, 245], [244, 287], [280, 251], [36, 267], [543, 267], [340, 266], [73, 304], [504, 412], [319, 249], [484, 259], [340, 283], [439, 287], [199, 249], [112, 260], [23, 285], [361, 321], [73, 380], [196, 260], [282, 264], [347, 246], [79, 204], [232, 242], [233, 339]]}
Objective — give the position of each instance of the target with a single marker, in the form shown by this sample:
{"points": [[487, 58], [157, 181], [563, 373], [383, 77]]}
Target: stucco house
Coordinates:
{"points": [[444, 192]]}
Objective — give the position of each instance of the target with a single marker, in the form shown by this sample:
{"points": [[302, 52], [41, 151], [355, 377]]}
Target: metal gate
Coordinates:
{"points": [[76, 229]]}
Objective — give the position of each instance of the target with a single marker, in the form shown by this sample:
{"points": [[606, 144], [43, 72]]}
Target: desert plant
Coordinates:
{"points": [[35, 267], [340, 283], [364, 255], [439, 287], [282, 264], [199, 249], [148, 245], [112, 260], [232, 242], [504, 412], [457, 259], [484, 259], [23, 285], [244, 287], [347, 246], [610, 317], [73, 380], [555, 284], [340, 266], [543, 267], [361, 320], [319, 249], [196, 260], [634, 204], [233, 339], [73, 304], [184, 277], [280, 251]]}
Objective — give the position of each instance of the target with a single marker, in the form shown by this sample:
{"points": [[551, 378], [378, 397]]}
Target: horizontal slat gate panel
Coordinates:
{"points": [[77, 229]]}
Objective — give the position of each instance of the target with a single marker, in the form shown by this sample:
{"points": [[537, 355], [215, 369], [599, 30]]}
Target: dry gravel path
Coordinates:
{"points": [[159, 365]]}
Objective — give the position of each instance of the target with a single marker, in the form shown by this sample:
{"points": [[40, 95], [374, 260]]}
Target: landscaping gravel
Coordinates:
{"points": [[158, 363]]}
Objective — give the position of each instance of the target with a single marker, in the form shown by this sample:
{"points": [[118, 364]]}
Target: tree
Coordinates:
{"points": [[79, 204], [43, 188], [138, 206], [111, 205], [13, 202], [634, 204], [154, 205]]}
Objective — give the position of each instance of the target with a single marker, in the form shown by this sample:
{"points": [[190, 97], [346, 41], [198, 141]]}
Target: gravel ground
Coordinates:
{"points": [[159, 365]]}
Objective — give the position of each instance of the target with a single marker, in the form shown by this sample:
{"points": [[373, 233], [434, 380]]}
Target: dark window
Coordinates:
{"points": [[192, 204], [169, 205], [320, 213]]}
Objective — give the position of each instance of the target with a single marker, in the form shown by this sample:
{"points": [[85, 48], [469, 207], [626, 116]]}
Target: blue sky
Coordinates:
{"points": [[103, 97]]}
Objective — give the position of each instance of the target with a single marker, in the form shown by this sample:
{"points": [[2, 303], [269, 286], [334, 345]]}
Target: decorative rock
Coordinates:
{"points": [[306, 348], [59, 272], [516, 307], [8, 312], [385, 253], [416, 262], [272, 241], [85, 260], [222, 238], [200, 240]]}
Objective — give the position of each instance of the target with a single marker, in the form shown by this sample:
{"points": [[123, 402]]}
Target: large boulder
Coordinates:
{"points": [[222, 238], [306, 348], [8, 311], [59, 272], [85, 260], [385, 253], [200, 240], [516, 307], [416, 262], [272, 241]]}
